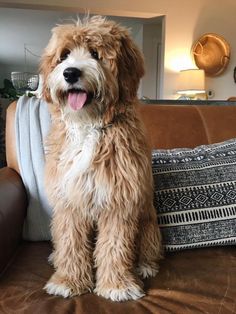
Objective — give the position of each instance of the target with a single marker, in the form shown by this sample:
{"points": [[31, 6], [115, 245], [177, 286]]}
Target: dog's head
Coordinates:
{"points": [[91, 63]]}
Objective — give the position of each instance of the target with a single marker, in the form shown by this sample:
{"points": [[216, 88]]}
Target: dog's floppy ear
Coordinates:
{"points": [[130, 68], [46, 67], [49, 60], [45, 70]]}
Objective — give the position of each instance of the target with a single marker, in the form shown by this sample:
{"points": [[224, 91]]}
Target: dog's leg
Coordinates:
{"points": [[150, 250], [72, 255], [115, 256], [51, 259]]}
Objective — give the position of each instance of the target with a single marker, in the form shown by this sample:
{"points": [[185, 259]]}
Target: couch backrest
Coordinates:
{"points": [[171, 126], [168, 126]]}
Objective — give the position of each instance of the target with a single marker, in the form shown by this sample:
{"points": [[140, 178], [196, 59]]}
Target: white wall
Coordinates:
{"points": [[152, 41], [185, 21]]}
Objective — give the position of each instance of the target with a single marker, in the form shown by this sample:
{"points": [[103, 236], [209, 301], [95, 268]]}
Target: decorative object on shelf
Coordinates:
{"points": [[191, 82], [232, 98], [25, 81], [211, 53]]}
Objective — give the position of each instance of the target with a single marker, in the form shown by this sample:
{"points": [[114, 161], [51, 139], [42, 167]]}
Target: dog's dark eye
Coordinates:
{"points": [[94, 54], [64, 55]]}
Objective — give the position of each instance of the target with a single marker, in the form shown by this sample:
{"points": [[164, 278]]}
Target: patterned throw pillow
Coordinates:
{"points": [[195, 195]]}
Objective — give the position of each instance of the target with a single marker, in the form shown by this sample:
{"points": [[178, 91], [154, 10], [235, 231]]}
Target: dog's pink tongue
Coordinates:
{"points": [[77, 100]]}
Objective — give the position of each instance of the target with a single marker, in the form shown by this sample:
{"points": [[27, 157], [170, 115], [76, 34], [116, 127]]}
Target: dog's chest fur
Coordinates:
{"points": [[79, 149], [77, 182]]}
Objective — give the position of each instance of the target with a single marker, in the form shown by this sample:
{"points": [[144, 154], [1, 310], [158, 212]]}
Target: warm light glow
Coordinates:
{"points": [[191, 82], [179, 60]]}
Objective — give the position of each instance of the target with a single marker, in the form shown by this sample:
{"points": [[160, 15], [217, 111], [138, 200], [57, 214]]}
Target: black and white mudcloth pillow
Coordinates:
{"points": [[195, 195]]}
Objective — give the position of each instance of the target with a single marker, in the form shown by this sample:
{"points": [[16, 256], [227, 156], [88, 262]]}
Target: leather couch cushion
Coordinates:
{"points": [[13, 204], [191, 281]]}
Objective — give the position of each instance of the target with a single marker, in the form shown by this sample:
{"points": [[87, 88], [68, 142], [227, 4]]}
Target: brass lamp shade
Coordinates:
{"points": [[211, 53], [191, 82]]}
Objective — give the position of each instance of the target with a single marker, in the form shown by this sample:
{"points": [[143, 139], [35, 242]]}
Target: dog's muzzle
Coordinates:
{"points": [[77, 98], [72, 75]]}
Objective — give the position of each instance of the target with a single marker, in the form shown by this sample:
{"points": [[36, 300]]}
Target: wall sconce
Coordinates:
{"points": [[190, 83]]}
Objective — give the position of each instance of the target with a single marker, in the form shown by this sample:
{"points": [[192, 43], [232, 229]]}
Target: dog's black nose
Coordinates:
{"points": [[72, 75]]}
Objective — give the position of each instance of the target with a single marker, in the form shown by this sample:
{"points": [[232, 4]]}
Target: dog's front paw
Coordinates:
{"points": [[145, 270], [121, 292], [58, 289], [64, 287]]}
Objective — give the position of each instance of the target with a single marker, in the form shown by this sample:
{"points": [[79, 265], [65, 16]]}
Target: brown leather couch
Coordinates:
{"points": [[191, 281]]}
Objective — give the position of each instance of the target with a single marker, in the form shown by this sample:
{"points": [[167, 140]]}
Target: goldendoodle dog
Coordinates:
{"points": [[98, 167]]}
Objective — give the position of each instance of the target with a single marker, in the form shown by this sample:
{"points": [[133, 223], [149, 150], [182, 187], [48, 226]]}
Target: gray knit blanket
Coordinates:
{"points": [[32, 124]]}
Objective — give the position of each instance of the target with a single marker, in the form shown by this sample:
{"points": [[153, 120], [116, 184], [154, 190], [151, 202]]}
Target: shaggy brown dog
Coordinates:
{"points": [[98, 168]]}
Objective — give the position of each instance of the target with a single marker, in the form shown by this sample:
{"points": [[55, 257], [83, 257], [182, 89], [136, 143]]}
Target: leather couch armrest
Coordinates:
{"points": [[13, 204]]}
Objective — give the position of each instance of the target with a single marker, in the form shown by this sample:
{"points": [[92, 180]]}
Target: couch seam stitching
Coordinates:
{"points": [[204, 124]]}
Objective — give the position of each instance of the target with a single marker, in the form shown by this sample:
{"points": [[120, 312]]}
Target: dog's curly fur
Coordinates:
{"points": [[98, 168]]}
